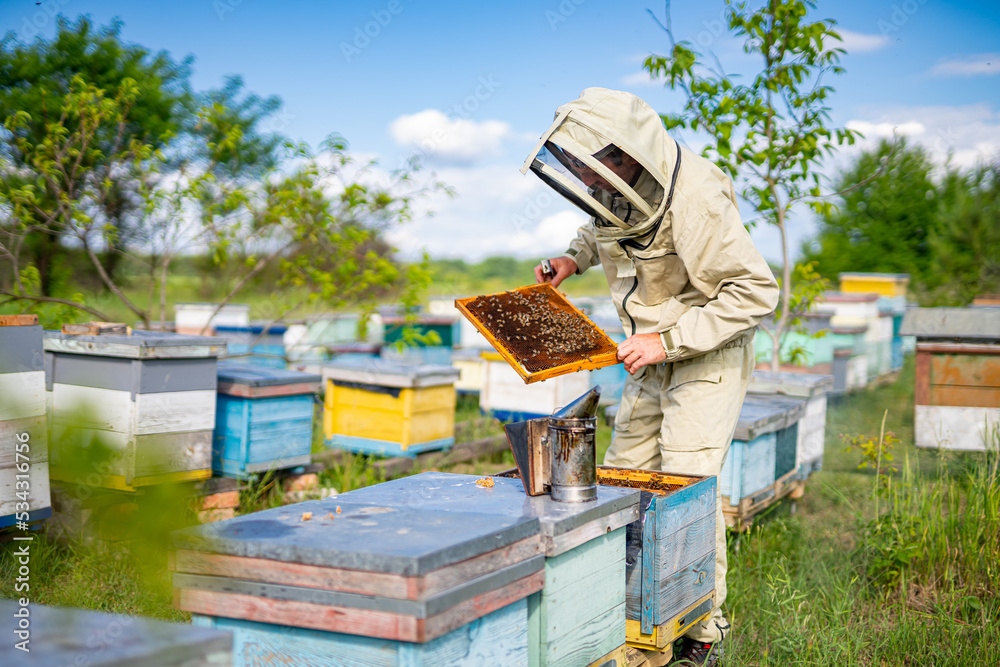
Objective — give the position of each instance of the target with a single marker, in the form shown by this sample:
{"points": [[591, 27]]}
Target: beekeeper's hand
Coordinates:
{"points": [[641, 350], [563, 267]]}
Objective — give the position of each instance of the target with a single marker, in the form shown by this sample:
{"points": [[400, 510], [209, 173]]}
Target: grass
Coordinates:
{"points": [[875, 567]]}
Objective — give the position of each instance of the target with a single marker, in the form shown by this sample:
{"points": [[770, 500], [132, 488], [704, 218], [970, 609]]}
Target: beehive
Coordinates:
{"points": [[884, 284], [812, 426], [192, 318], [505, 396], [263, 419], [579, 616], [395, 409], [498, 638], [471, 367], [397, 574], [255, 344], [24, 454], [539, 332], [957, 392], [146, 399], [765, 441], [66, 636]]}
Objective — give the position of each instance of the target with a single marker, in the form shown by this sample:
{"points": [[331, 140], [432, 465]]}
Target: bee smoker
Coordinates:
{"points": [[556, 454]]}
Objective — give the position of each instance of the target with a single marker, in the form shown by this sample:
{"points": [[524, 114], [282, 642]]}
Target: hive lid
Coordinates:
{"points": [[449, 492], [139, 345], [973, 324], [64, 636], [803, 385], [259, 376], [766, 413], [366, 537], [389, 373], [272, 330], [539, 332]]}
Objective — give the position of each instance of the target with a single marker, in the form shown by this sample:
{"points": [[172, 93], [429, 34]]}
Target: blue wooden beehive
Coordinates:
{"points": [[66, 636], [765, 442], [24, 453], [399, 575], [255, 344], [813, 389], [263, 419], [579, 617]]}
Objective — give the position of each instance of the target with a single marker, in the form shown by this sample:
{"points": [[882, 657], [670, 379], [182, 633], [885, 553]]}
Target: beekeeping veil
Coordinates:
{"points": [[581, 156]]}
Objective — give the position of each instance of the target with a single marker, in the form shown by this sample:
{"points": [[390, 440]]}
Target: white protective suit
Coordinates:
{"points": [[680, 263]]}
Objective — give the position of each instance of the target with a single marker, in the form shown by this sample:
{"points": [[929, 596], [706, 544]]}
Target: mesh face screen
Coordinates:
{"points": [[539, 328]]}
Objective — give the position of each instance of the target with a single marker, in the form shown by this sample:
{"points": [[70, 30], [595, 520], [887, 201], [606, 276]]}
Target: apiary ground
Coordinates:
{"points": [[539, 331]]}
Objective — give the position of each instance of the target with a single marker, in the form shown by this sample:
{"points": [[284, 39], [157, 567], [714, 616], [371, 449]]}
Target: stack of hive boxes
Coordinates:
{"points": [[340, 581], [957, 392], [377, 406], [131, 410], [762, 455], [263, 419], [891, 288], [24, 454], [812, 427], [579, 617], [255, 344], [506, 397]]}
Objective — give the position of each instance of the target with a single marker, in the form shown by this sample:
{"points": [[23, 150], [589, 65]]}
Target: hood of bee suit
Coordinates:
{"points": [[576, 156]]}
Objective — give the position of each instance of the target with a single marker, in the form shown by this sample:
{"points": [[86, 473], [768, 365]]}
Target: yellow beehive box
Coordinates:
{"points": [[883, 284], [376, 406]]}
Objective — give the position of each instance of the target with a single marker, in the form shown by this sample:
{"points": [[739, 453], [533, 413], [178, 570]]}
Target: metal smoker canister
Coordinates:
{"points": [[573, 452]]}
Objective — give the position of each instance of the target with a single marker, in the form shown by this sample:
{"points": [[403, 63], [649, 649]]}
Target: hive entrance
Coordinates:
{"points": [[539, 331]]}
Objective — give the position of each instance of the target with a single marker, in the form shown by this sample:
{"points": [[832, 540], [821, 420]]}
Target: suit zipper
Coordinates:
{"points": [[635, 284]]}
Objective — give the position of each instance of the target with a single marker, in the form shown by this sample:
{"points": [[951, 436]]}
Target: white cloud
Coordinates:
{"points": [[857, 42], [496, 211], [640, 79], [450, 140], [885, 130], [983, 64], [964, 134]]}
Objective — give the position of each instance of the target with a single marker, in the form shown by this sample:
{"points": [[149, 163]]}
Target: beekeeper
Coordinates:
{"points": [[686, 279]]}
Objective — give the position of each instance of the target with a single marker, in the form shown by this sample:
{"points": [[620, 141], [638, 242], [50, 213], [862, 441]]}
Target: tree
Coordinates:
{"points": [[36, 78], [318, 220], [770, 135], [883, 223], [965, 244]]}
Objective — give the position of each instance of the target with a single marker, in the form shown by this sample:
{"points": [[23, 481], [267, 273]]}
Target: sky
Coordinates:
{"points": [[470, 86]]}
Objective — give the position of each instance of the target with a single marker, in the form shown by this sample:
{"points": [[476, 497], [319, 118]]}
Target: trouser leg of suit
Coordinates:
{"points": [[681, 418]]}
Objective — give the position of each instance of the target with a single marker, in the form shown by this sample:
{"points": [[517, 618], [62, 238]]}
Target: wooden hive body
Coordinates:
{"points": [[670, 556], [148, 399], [264, 419], [812, 427], [579, 616], [394, 409], [507, 398], [397, 574], [66, 636], [499, 638], [957, 392], [251, 344], [24, 453], [766, 421]]}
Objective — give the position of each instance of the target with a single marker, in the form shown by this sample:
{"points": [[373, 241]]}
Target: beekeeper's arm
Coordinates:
{"points": [[580, 256]]}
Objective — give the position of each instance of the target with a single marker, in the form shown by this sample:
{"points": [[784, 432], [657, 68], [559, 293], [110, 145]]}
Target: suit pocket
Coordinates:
{"points": [[703, 368]]}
